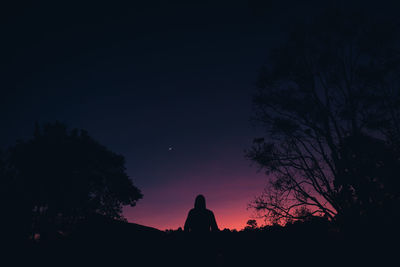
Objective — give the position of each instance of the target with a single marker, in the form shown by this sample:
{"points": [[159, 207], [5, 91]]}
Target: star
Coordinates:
{"points": [[170, 148]]}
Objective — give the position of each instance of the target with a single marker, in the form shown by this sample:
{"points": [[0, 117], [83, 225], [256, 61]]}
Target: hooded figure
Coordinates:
{"points": [[200, 219]]}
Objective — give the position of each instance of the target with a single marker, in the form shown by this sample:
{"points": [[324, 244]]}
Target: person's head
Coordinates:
{"points": [[200, 202]]}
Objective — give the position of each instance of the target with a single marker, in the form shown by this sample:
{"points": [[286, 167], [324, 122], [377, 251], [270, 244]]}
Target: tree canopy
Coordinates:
{"points": [[66, 176], [329, 102]]}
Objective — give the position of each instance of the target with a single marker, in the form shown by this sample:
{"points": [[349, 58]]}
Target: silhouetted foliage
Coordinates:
{"points": [[329, 100], [251, 225], [66, 176]]}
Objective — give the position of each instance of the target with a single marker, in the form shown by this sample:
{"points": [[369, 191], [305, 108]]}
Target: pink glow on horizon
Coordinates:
{"points": [[166, 206]]}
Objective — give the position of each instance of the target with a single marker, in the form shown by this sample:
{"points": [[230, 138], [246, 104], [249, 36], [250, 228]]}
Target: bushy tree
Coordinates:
{"points": [[329, 101], [251, 225], [65, 176]]}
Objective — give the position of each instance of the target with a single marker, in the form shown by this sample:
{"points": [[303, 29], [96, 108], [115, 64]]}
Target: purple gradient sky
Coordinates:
{"points": [[146, 76], [228, 192]]}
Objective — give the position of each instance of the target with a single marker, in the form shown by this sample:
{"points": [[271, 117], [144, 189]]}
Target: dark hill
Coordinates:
{"points": [[100, 241], [101, 228]]}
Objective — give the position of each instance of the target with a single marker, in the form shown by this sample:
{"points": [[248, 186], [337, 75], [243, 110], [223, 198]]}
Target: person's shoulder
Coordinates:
{"points": [[191, 211], [209, 212]]}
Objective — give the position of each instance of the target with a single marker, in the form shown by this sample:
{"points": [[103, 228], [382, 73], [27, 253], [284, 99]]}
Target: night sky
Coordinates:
{"points": [[167, 85]]}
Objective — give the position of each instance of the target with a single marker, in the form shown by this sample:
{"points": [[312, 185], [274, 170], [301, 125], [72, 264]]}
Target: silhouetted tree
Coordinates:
{"points": [[66, 176], [329, 100], [251, 225]]}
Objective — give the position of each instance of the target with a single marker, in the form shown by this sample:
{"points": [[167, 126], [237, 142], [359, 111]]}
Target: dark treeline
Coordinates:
{"points": [[103, 242]]}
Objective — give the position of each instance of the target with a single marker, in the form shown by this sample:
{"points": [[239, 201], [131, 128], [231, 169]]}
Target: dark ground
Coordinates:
{"points": [[125, 244]]}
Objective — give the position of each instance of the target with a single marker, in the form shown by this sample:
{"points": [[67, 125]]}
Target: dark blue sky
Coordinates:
{"points": [[142, 78]]}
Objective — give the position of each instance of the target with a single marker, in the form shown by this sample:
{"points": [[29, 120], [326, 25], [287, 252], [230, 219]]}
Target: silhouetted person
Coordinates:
{"points": [[200, 219]]}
